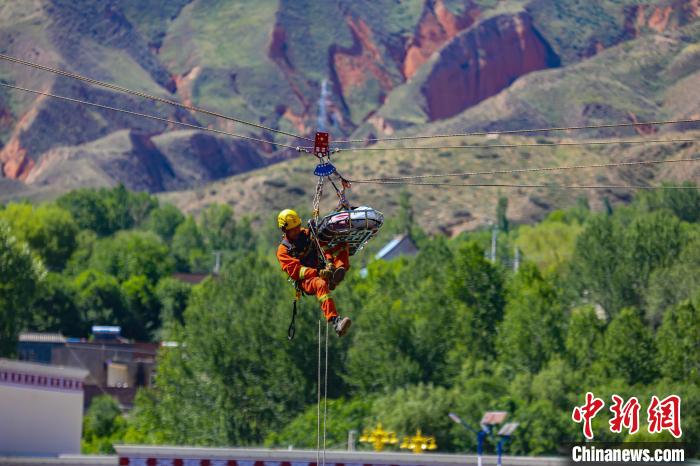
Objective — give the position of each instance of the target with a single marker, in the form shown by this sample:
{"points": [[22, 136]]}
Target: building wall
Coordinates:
{"points": [[40, 413]]}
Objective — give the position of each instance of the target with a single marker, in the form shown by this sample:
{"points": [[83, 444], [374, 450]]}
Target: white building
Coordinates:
{"points": [[41, 409]]}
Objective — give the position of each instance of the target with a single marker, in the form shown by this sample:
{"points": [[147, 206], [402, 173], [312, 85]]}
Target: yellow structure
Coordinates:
{"points": [[379, 437], [419, 443]]}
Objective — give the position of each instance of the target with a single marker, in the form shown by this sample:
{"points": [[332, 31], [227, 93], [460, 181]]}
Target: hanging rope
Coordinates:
{"points": [[124, 90], [318, 397], [325, 398], [321, 458], [145, 115]]}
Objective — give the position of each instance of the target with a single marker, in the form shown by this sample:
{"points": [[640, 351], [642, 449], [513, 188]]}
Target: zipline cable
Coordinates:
{"points": [[526, 170], [553, 186], [528, 144], [115, 87], [522, 131], [145, 115]]}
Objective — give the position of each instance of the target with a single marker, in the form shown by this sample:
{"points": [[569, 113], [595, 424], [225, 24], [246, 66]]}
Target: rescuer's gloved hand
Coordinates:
{"points": [[326, 273]]}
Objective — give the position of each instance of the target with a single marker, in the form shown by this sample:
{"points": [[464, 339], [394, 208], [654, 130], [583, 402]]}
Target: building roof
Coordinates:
{"points": [[35, 337], [42, 369], [191, 278], [400, 245]]}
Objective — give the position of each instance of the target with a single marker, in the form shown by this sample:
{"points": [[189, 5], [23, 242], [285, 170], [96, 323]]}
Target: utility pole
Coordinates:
{"points": [[352, 439], [217, 264]]}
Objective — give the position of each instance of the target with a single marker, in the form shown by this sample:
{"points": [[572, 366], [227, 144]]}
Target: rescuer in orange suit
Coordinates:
{"points": [[299, 258]]}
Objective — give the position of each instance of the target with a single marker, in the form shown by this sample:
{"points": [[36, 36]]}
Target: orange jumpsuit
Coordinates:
{"points": [[299, 260]]}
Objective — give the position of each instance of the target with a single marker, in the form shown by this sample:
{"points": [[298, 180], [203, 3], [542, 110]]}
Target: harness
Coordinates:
{"points": [[302, 248]]}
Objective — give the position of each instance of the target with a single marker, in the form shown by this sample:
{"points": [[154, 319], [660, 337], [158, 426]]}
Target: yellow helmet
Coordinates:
{"points": [[288, 219]]}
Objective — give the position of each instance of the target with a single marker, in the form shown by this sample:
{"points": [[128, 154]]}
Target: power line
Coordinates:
{"points": [[512, 185], [525, 170], [533, 144], [145, 115], [523, 131], [143, 94]]}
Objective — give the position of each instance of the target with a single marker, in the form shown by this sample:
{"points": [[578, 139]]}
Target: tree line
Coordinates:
{"points": [[607, 302]]}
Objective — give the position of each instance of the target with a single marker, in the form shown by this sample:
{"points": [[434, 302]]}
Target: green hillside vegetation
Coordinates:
{"points": [[263, 192], [648, 78], [446, 330], [266, 61]]}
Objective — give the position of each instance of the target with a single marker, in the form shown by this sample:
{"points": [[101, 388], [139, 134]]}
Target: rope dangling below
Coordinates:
{"points": [[292, 330]]}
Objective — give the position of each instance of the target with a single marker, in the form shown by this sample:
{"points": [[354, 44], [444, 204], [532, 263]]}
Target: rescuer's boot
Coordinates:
{"points": [[341, 325], [338, 275]]}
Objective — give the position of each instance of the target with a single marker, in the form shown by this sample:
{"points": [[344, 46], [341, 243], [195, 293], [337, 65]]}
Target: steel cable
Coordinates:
{"points": [[522, 131], [115, 87], [526, 170], [145, 115]]}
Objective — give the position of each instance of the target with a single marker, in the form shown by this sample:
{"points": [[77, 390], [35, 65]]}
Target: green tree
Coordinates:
{"points": [[678, 342], [173, 296], [218, 227], [144, 308], [416, 407], [188, 246], [628, 348], [584, 337], [651, 241], [596, 263], [100, 300], [382, 355], [20, 274], [55, 308], [89, 209], [164, 220], [543, 429], [103, 426], [682, 202], [676, 282], [532, 329], [479, 285], [48, 230], [133, 253], [473, 396], [221, 231], [229, 382], [550, 244], [343, 415], [80, 260], [108, 210]]}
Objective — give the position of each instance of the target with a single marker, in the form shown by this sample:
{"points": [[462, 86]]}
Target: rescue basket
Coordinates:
{"points": [[354, 227]]}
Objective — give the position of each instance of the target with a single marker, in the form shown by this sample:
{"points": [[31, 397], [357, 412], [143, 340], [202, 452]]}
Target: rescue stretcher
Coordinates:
{"points": [[354, 227]]}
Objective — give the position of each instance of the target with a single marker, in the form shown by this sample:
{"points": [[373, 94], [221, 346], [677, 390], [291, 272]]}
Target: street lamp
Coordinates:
{"points": [[490, 419], [505, 433]]}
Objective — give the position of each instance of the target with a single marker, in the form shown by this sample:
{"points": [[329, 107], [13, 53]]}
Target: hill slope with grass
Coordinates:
{"points": [[388, 68]]}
